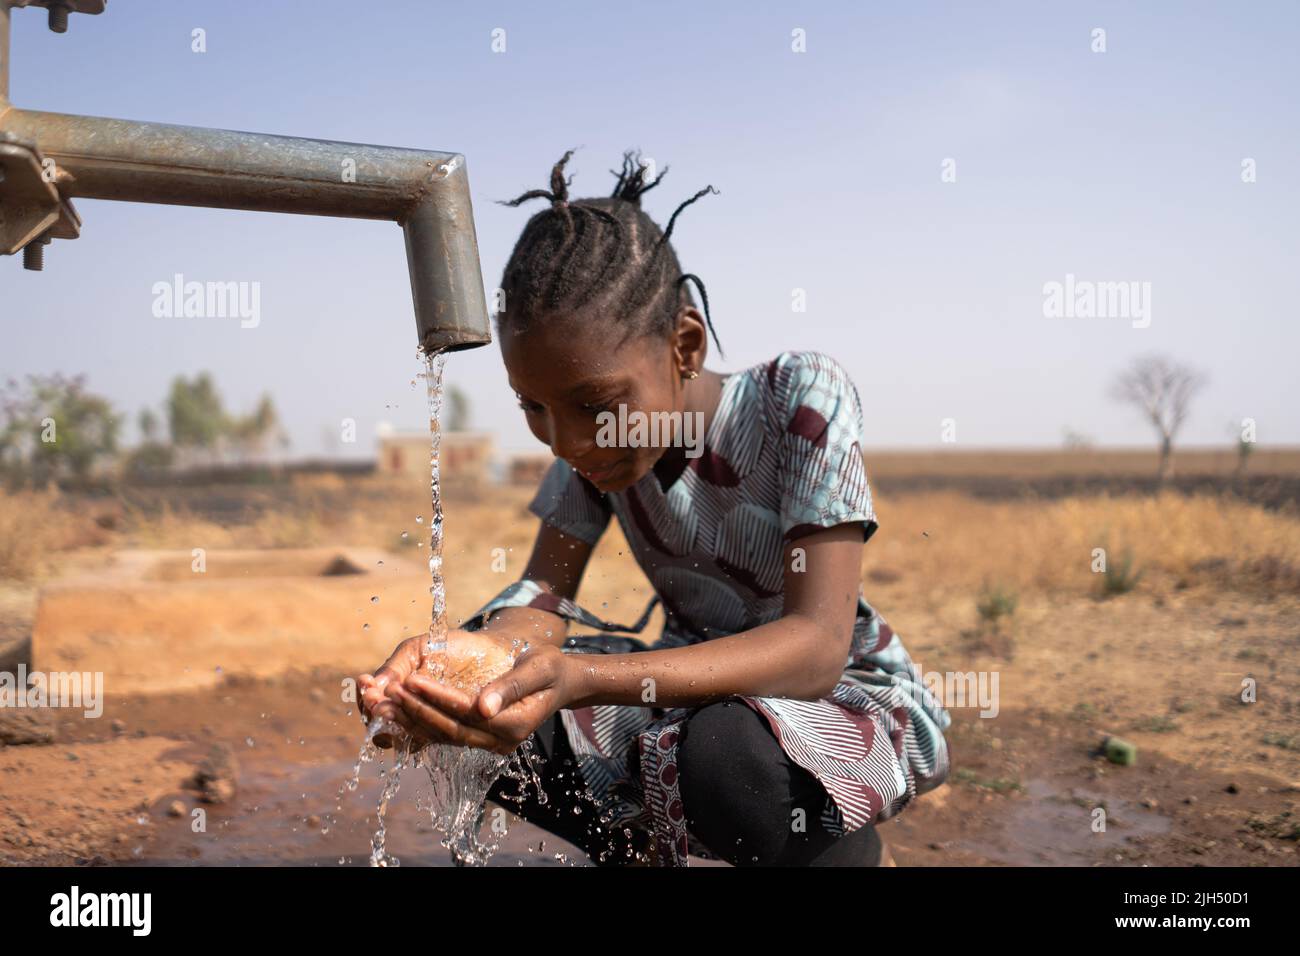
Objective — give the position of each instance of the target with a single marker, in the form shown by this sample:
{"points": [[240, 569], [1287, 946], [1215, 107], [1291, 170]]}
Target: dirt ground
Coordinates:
{"points": [[1023, 791], [1216, 780]]}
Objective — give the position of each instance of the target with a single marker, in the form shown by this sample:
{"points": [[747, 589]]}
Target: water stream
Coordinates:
{"points": [[459, 777]]}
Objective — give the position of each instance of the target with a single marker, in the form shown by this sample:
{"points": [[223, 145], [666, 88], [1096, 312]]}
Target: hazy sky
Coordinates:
{"points": [[1124, 165]]}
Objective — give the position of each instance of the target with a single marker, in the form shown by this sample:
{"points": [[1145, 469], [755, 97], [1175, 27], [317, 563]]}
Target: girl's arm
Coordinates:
{"points": [[557, 564], [800, 656]]}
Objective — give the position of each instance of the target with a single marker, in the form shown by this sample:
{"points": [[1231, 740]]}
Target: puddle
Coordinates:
{"points": [[268, 825], [1047, 826]]}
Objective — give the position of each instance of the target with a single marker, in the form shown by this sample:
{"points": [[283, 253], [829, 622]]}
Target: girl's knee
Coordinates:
{"points": [[727, 743], [735, 782]]}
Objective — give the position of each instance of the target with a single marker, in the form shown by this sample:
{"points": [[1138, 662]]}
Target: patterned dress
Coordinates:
{"points": [[781, 458]]}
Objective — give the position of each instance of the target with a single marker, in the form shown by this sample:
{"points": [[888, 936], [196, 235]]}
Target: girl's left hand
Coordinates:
{"points": [[505, 712]]}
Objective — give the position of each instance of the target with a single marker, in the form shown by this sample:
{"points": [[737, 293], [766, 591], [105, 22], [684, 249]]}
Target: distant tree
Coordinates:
{"points": [[455, 410], [195, 418], [53, 428], [151, 455], [148, 422], [1162, 389], [1077, 441], [255, 434], [201, 427]]}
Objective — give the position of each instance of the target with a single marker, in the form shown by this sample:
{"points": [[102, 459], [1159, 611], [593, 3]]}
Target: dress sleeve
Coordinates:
{"points": [[823, 478], [568, 502]]}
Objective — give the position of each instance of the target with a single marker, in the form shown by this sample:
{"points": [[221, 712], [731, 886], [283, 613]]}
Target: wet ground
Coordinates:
{"points": [[1025, 790], [295, 750], [1032, 790]]}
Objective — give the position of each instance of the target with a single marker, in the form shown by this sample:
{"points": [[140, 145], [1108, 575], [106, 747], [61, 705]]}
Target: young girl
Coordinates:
{"points": [[778, 717]]}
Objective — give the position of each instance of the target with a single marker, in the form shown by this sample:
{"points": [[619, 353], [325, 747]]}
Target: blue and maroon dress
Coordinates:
{"points": [[781, 458]]}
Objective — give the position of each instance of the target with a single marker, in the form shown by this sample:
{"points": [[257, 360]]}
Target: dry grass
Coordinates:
{"points": [[929, 543], [946, 540], [1015, 463], [34, 527], [174, 528]]}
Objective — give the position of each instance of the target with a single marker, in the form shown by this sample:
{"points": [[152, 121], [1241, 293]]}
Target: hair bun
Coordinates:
{"points": [[631, 181]]}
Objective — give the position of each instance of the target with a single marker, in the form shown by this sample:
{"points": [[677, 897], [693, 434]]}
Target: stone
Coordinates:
{"points": [[26, 725], [216, 775]]}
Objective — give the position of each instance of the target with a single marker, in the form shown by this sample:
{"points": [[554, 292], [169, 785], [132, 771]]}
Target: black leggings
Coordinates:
{"points": [[739, 792]]}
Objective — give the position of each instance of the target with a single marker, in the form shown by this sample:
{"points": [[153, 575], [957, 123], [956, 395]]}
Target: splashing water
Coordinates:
{"points": [[459, 777]]}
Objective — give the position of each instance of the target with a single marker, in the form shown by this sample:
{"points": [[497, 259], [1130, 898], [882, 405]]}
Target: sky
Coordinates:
{"points": [[921, 171]]}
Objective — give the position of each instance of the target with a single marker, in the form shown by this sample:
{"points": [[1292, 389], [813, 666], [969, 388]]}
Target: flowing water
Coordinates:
{"points": [[459, 777]]}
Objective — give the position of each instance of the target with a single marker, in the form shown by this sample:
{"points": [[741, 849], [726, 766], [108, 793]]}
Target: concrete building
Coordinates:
{"points": [[528, 468], [465, 457]]}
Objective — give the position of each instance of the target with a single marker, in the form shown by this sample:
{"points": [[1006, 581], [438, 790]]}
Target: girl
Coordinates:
{"points": [[778, 717]]}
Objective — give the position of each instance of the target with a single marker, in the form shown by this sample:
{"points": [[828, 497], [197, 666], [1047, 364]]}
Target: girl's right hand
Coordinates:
{"points": [[404, 660]]}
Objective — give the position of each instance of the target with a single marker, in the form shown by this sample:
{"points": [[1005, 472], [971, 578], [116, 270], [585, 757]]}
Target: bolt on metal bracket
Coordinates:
{"points": [[59, 10]]}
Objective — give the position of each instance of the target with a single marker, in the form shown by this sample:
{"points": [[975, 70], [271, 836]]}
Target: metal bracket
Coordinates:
{"points": [[32, 205], [59, 10]]}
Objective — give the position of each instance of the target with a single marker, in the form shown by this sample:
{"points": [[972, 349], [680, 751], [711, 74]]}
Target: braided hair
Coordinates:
{"points": [[603, 257]]}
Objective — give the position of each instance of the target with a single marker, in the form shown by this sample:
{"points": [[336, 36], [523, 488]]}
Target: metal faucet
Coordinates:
{"points": [[48, 159]]}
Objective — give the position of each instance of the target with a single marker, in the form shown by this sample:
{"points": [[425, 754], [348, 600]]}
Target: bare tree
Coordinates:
{"points": [[1163, 390]]}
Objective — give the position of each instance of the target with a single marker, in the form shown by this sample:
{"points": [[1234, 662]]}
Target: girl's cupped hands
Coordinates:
{"points": [[499, 717]]}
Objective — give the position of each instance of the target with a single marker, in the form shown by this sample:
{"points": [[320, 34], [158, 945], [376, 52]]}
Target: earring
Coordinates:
{"points": [[692, 374]]}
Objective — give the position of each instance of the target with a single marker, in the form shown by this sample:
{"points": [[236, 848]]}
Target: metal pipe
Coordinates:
{"points": [[426, 192], [190, 166], [4, 54]]}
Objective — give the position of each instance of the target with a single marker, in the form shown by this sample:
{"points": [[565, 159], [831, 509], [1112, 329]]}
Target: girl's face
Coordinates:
{"points": [[571, 388]]}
